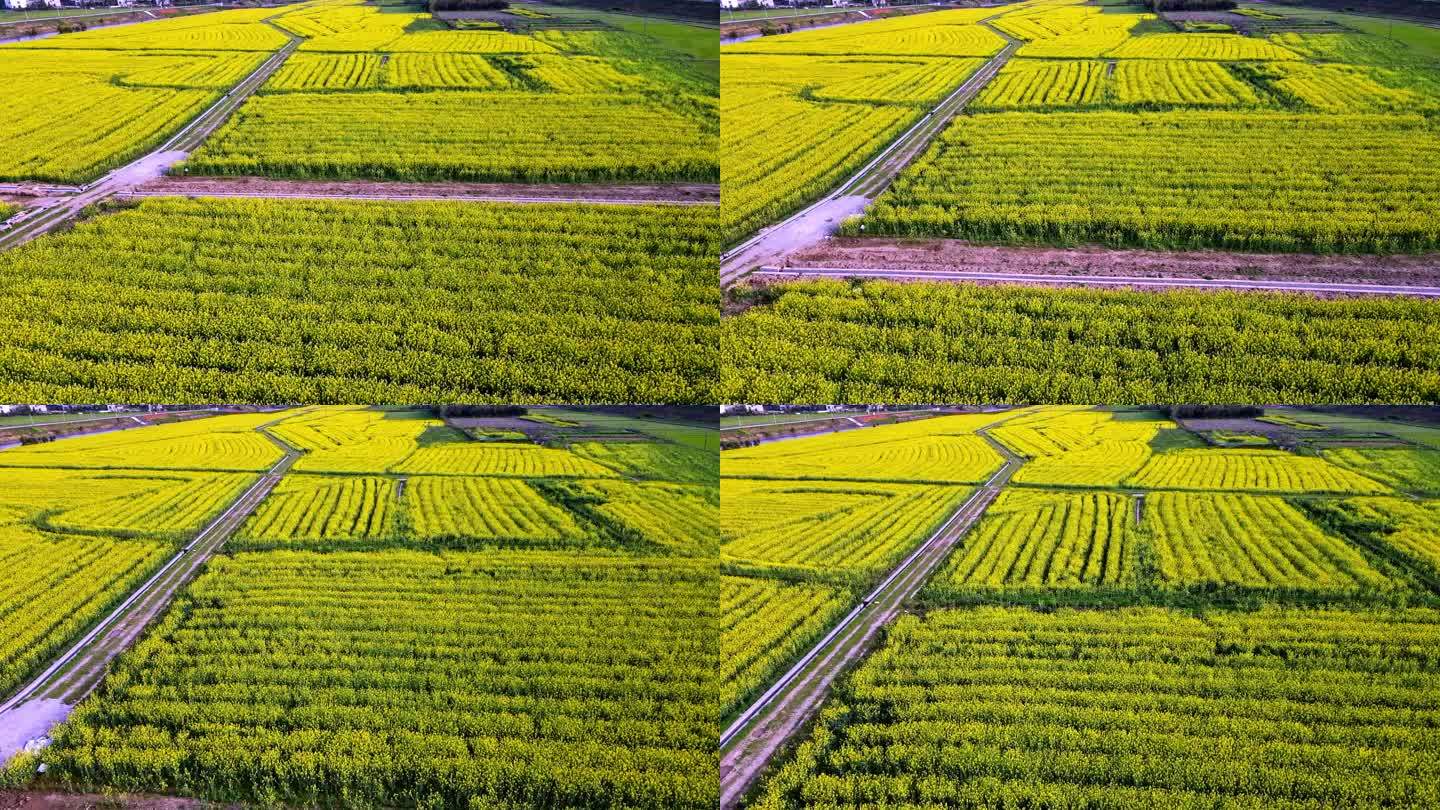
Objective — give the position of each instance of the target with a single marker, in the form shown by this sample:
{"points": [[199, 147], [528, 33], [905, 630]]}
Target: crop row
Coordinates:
{"points": [[822, 342], [944, 33], [829, 530], [1043, 539], [1249, 470], [1251, 541], [217, 443], [501, 137], [764, 625], [170, 507], [936, 459], [1130, 709], [316, 72], [1052, 84], [400, 678], [258, 300], [55, 587], [1256, 181]]}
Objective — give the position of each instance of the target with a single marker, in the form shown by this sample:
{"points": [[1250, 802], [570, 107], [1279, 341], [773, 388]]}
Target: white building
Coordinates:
{"points": [[747, 3], [17, 5]]}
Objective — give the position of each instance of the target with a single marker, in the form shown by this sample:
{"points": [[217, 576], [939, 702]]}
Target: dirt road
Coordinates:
{"points": [[640, 194], [749, 744], [954, 255], [821, 219], [47, 699], [1129, 282]]}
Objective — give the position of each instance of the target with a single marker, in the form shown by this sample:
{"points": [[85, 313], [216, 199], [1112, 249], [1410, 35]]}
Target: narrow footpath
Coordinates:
{"points": [[750, 743], [47, 699]]}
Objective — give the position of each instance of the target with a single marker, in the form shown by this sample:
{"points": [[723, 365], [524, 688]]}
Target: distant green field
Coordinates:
{"points": [[740, 15], [680, 432], [42, 418], [778, 418], [1419, 434]]}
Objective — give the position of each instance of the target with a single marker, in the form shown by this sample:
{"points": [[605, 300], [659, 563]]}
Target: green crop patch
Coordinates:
{"points": [[1130, 708], [180, 300]]}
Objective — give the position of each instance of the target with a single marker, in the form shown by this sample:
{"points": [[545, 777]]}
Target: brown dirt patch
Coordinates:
{"points": [[54, 800], [264, 187], [954, 255]]}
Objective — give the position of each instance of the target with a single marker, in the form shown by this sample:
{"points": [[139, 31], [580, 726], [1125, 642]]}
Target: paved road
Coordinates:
{"points": [[854, 195], [151, 166], [748, 745], [1336, 288], [47, 699], [799, 231]]}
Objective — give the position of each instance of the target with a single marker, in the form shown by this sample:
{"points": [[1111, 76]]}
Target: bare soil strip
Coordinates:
{"points": [[668, 193], [762, 730], [917, 256]]}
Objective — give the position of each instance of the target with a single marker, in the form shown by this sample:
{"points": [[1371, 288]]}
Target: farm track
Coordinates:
{"points": [[267, 188], [46, 700], [152, 165], [749, 744], [819, 220], [1131, 282]]}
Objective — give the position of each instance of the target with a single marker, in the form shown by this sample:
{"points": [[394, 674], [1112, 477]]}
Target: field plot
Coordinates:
{"points": [[1250, 541], [1249, 470], [797, 122], [1033, 539], [74, 542], [234, 30], [680, 516], [322, 508], [1130, 708], [669, 462], [933, 450], [216, 443], [452, 680], [1412, 528], [1345, 183], [1079, 448], [601, 103], [315, 301], [516, 137], [487, 509], [766, 624], [876, 341], [102, 108], [1403, 469], [828, 530], [56, 586]]}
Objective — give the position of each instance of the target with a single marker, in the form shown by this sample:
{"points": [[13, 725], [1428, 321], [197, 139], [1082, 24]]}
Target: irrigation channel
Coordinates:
{"points": [[47, 699], [749, 744]]}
